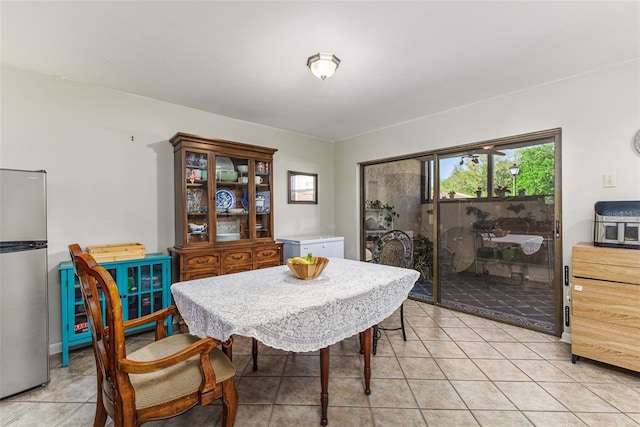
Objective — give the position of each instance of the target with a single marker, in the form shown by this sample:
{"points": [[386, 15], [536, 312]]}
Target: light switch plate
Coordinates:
{"points": [[609, 180]]}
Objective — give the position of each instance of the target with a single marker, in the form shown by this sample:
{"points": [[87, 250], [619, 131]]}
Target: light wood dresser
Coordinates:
{"points": [[605, 305]]}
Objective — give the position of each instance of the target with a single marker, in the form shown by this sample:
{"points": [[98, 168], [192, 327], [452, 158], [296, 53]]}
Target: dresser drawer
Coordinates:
{"points": [[195, 274], [274, 263], [201, 261], [610, 264], [605, 342], [615, 303], [237, 268], [269, 253], [243, 256]]}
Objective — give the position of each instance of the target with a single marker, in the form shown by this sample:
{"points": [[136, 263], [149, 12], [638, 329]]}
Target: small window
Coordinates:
{"points": [[302, 187]]}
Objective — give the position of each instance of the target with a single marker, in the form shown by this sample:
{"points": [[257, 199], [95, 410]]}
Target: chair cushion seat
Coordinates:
{"points": [[175, 381]]}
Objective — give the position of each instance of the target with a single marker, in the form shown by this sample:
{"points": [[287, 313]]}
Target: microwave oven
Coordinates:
{"points": [[617, 224]]}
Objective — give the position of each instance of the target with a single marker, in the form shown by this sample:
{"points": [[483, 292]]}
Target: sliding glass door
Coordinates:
{"points": [[484, 221], [497, 232]]}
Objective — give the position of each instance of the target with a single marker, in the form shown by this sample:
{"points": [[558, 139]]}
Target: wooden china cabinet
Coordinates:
{"points": [[223, 208]]}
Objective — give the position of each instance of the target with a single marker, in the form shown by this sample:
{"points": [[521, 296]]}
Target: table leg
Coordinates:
{"points": [[324, 384], [366, 344], [254, 353], [376, 336], [227, 348]]}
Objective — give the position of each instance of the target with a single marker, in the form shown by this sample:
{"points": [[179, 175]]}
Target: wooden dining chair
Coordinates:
{"points": [[394, 248], [162, 379]]}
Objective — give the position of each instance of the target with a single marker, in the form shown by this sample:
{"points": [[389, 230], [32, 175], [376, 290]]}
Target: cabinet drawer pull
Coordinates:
{"points": [[237, 256]]}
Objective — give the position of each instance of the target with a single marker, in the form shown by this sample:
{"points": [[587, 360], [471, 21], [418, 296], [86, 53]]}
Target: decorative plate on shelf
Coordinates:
{"points": [[263, 201], [225, 199], [244, 200]]}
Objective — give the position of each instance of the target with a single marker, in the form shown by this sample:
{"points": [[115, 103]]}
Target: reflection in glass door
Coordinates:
{"points": [[496, 233], [397, 195]]}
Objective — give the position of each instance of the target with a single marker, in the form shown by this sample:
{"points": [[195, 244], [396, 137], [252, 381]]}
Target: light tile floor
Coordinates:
{"points": [[454, 370]]}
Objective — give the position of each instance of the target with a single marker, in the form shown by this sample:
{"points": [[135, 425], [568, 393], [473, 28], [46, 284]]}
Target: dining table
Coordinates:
{"points": [[529, 243], [274, 307]]}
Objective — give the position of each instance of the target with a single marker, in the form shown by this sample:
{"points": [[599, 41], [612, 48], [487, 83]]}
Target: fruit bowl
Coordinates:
{"points": [[308, 271]]}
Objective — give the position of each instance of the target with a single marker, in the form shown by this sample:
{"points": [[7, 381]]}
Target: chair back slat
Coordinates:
{"points": [[109, 344], [91, 298], [393, 248]]}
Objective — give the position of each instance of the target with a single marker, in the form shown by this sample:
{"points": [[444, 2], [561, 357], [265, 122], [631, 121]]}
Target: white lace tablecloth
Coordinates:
{"points": [[284, 312], [530, 244]]}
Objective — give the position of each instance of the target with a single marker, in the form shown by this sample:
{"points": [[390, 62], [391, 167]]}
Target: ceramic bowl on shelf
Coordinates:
{"points": [[227, 176], [223, 164], [236, 210], [243, 168], [308, 271], [371, 224]]}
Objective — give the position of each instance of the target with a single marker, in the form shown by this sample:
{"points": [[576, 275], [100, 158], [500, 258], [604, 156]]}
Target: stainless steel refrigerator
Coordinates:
{"points": [[24, 314]]}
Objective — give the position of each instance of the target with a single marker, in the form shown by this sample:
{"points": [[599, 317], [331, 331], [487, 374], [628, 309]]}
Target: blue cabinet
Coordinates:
{"points": [[143, 285]]}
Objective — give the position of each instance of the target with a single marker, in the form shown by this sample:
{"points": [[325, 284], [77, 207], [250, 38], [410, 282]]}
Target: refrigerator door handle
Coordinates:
{"points": [[29, 245]]}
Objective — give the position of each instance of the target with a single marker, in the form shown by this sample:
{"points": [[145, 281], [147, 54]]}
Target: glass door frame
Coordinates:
{"points": [[557, 280]]}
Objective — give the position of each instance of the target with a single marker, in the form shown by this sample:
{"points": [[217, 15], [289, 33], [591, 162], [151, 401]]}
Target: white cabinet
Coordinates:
{"points": [[318, 245]]}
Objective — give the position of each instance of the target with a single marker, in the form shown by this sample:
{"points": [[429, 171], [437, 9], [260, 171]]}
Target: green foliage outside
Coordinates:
{"points": [[467, 179], [536, 175], [537, 169]]}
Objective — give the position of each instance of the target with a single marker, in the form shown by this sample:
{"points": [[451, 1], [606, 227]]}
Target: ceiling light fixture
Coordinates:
{"points": [[323, 65]]}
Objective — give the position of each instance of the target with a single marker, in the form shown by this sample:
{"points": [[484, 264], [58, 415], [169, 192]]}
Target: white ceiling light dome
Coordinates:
{"points": [[323, 65]]}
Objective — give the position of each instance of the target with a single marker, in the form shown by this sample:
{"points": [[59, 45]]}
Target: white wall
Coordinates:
{"points": [[104, 188], [599, 113]]}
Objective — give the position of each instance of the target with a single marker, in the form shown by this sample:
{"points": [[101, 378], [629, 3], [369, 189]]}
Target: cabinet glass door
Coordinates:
{"points": [[197, 201], [263, 199], [80, 319], [232, 198], [144, 290]]}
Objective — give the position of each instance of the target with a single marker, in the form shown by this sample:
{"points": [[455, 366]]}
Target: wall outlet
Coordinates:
{"points": [[609, 180]]}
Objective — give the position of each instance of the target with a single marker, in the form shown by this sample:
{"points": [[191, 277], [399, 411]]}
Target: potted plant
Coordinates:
{"points": [[423, 256], [501, 191], [515, 208], [452, 194], [373, 204], [389, 213], [387, 210], [479, 213], [483, 223]]}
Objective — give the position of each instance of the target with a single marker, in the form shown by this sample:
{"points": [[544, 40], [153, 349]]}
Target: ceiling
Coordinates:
{"points": [[247, 60]]}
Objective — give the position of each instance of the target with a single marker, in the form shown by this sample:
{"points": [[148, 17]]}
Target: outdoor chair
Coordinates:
{"points": [[392, 248]]}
